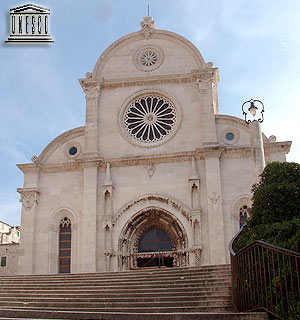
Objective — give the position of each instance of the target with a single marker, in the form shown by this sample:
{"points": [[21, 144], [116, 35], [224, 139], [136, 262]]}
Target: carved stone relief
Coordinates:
{"points": [[29, 197]]}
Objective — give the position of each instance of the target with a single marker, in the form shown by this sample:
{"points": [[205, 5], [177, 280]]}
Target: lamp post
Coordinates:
{"points": [[253, 111]]}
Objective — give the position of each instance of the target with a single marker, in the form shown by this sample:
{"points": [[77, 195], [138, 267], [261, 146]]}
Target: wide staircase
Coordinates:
{"points": [[177, 294]]}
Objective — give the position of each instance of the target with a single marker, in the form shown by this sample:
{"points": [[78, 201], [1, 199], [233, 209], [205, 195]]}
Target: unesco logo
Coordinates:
{"points": [[29, 24]]}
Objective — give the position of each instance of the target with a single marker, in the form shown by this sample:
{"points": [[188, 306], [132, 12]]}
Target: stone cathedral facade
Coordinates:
{"points": [[155, 177]]}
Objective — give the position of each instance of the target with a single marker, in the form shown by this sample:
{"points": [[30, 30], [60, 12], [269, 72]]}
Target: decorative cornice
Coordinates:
{"points": [[194, 76], [155, 158], [278, 146], [49, 168]]}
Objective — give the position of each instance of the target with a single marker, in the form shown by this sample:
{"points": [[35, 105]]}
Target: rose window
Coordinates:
{"points": [[150, 118], [148, 58]]}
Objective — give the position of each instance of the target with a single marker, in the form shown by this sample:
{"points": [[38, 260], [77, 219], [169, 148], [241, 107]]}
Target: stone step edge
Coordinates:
{"points": [[114, 298], [131, 316], [125, 291], [115, 303], [120, 283], [116, 295], [207, 268], [148, 277], [120, 273]]}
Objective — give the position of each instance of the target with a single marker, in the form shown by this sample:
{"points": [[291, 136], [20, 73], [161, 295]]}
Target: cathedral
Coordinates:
{"points": [[155, 178]]}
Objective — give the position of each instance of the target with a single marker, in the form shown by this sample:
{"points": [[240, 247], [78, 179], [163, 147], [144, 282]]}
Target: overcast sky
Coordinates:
{"points": [[255, 44]]}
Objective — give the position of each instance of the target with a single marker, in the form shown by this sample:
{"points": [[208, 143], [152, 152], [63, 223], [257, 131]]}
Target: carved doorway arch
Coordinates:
{"points": [[139, 225]]}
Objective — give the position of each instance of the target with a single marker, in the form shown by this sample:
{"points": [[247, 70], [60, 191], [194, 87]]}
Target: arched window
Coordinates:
{"points": [[244, 215], [65, 245]]}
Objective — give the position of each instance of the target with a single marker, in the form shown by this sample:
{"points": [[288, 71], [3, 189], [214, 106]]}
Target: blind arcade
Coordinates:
{"points": [[29, 24]]}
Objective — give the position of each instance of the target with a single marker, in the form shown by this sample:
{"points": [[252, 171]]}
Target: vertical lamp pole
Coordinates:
{"points": [[253, 111]]}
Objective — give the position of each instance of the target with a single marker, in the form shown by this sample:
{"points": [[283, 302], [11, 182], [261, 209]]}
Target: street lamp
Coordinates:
{"points": [[253, 111]]}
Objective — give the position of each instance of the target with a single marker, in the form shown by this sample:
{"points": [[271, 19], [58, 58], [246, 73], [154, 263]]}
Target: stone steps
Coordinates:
{"points": [[171, 294], [137, 272]]}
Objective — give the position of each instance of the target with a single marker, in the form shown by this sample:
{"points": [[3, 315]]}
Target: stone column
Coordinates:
{"points": [[92, 91], [215, 208], [206, 87], [89, 216]]}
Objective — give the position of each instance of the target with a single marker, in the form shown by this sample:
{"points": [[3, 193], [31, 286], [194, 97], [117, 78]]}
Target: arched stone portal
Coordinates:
{"points": [[139, 225]]}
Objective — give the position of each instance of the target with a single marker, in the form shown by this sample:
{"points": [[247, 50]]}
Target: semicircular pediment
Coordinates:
{"points": [[128, 51], [59, 141]]}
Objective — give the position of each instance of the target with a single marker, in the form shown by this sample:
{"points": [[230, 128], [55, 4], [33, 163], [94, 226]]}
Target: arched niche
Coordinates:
{"points": [[240, 202], [53, 251]]}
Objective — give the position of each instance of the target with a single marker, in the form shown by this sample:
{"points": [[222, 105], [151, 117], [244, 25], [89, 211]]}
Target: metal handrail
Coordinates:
{"points": [[265, 277]]}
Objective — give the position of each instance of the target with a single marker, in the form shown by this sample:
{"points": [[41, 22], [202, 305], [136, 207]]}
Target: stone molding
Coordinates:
{"points": [[199, 153], [192, 77], [140, 35], [29, 197], [155, 197]]}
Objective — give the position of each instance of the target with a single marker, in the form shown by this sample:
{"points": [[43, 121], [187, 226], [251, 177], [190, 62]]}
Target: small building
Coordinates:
{"points": [[9, 248]]}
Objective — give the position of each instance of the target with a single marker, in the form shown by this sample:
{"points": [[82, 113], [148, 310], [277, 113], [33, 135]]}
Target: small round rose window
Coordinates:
{"points": [[148, 58], [150, 118]]}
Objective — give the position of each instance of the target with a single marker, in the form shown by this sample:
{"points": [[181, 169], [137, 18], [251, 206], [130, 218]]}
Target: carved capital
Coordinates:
{"points": [[91, 90], [29, 197], [205, 83]]}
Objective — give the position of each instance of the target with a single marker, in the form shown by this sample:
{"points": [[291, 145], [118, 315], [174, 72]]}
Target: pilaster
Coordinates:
{"points": [[215, 208], [207, 87], [92, 96], [89, 216], [30, 200]]}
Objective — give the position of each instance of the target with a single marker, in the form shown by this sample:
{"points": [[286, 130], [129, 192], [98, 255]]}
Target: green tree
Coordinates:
{"points": [[275, 214]]}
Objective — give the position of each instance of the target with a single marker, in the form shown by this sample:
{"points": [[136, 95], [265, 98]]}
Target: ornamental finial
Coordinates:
{"points": [[148, 22]]}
